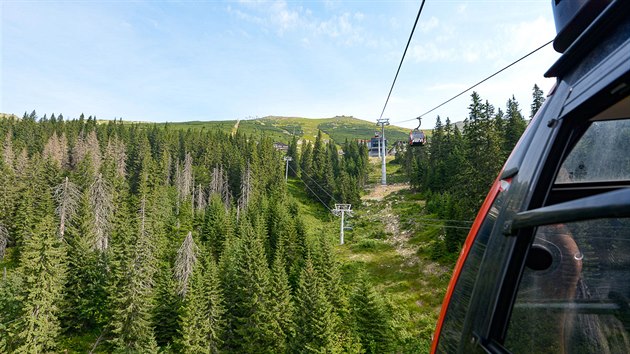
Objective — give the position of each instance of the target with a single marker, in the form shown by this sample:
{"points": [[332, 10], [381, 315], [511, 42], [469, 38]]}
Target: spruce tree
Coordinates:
{"points": [[43, 270], [132, 283], [315, 319], [195, 324], [202, 321], [371, 321], [295, 157], [281, 304], [514, 126], [247, 295], [85, 295], [538, 98]]}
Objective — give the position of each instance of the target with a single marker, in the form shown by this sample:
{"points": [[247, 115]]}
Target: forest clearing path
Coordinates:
{"points": [[235, 129], [380, 191], [399, 238]]}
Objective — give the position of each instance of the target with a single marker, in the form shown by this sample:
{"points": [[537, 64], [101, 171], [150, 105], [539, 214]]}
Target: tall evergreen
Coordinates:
{"points": [[280, 303], [371, 321], [85, 292], [202, 313], [315, 318], [247, 285], [538, 98], [132, 284], [43, 268], [295, 157], [514, 126]]}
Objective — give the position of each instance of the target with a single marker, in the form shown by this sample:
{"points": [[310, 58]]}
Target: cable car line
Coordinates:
{"points": [[477, 84], [447, 226], [309, 188], [444, 220], [320, 187], [402, 59]]}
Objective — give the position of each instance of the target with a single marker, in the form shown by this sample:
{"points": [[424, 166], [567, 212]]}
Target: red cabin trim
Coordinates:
{"points": [[470, 239]]}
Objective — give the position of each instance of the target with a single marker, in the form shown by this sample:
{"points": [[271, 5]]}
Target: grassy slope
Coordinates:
{"points": [[282, 128], [414, 290]]}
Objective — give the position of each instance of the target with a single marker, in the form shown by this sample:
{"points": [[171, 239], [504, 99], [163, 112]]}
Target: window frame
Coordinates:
{"points": [[572, 127]]}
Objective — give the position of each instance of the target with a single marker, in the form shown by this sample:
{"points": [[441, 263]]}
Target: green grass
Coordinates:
{"points": [[337, 129], [414, 290]]}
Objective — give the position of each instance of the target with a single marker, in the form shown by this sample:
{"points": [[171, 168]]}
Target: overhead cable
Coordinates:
{"points": [[477, 84], [403, 58], [317, 184], [444, 220], [309, 188]]}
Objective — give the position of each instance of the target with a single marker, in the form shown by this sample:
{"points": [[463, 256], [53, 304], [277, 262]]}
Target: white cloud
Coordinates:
{"points": [[282, 17], [430, 52], [426, 26]]}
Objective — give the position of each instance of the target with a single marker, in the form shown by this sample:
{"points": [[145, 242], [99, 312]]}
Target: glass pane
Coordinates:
{"points": [[575, 291], [602, 154]]}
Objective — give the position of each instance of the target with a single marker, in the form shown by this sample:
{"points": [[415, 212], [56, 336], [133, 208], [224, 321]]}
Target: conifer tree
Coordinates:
{"points": [[538, 98], [371, 320], [85, 296], [216, 226], [195, 325], [281, 305], [8, 155], [315, 319], [185, 264], [66, 196], [202, 319], [247, 295], [43, 269], [166, 312], [514, 126], [306, 160], [132, 283], [295, 157]]}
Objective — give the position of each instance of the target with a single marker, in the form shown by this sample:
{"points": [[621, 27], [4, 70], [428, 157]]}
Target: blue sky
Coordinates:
{"points": [[217, 60]]}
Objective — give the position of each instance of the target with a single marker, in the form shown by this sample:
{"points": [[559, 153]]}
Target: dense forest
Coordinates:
{"points": [[137, 238], [456, 168], [118, 237]]}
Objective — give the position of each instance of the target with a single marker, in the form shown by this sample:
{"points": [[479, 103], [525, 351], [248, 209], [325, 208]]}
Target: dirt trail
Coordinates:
{"points": [[379, 192], [235, 128], [397, 236]]}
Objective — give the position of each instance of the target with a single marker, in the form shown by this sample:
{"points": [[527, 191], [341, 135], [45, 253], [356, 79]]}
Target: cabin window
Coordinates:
{"points": [[574, 296], [601, 154]]}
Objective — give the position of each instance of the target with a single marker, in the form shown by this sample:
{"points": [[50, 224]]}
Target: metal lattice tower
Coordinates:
{"points": [[383, 122], [286, 172], [342, 209]]}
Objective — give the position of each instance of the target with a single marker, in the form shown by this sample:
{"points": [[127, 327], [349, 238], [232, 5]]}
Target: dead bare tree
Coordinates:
{"points": [[187, 176], [4, 240], [201, 201], [7, 150], [102, 207], [51, 149], [21, 163], [185, 263], [167, 166], [63, 151], [220, 185], [246, 191], [116, 153], [87, 146], [66, 196]]}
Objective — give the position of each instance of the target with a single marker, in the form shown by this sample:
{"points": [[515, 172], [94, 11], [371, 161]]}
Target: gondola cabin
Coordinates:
{"points": [[546, 265], [417, 138]]}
